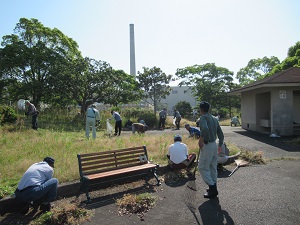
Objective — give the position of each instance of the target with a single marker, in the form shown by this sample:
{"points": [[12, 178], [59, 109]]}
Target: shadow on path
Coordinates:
{"points": [[212, 213], [278, 142]]}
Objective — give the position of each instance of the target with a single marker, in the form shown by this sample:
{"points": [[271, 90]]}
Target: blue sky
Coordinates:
{"points": [[169, 34]]}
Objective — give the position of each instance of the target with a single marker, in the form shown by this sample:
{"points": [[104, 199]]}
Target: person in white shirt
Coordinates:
{"points": [[118, 124], [178, 155], [37, 185], [92, 117]]}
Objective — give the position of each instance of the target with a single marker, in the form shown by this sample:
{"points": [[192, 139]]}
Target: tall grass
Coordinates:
{"points": [[62, 137], [21, 149]]}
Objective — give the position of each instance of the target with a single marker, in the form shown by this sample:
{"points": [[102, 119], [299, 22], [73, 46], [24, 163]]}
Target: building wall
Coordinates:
{"points": [[282, 111], [178, 94], [296, 108], [272, 110], [248, 109], [263, 111]]}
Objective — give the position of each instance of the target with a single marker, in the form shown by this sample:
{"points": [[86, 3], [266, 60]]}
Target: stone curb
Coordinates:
{"points": [[9, 204]]}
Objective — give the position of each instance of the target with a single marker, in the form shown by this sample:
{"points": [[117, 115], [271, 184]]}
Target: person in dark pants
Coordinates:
{"points": [[118, 125], [208, 162], [162, 119], [33, 113], [37, 185], [177, 118]]}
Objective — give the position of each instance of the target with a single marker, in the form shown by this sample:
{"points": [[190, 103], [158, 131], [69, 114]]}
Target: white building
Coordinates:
{"points": [[178, 94]]}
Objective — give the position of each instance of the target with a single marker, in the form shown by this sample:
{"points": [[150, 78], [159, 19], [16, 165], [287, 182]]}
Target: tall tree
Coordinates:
{"points": [[155, 84], [208, 82], [123, 89], [256, 69], [292, 60], [92, 78], [35, 58]]}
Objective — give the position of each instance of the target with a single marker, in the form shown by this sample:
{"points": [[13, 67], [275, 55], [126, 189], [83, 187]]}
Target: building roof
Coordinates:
{"points": [[289, 77]]}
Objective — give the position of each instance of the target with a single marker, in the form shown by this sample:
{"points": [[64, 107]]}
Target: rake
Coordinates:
{"points": [[239, 163]]}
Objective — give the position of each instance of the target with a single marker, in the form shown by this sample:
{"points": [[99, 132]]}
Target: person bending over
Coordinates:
{"points": [[37, 185], [194, 131]]}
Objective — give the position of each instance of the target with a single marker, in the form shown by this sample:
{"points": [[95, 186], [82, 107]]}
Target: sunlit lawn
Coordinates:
{"points": [[21, 149]]}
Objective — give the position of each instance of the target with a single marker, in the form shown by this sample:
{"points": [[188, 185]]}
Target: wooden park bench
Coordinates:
{"points": [[108, 166]]}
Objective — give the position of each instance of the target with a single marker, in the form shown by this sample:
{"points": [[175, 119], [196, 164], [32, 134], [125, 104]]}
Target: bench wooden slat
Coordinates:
{"points": [[120, 171], [111, 166], [109, 152], [112, 155], [115, 163], [109, 163]]}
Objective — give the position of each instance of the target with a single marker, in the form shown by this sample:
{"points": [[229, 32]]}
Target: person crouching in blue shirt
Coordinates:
{"points": [[194, 131]]}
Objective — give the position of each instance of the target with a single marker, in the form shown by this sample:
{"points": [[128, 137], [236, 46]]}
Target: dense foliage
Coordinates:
{"points": [[184, 108], [45, 66], [7, 115]]}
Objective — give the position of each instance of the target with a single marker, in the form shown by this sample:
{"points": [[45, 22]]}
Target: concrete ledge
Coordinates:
{"points": [[9, 204]]}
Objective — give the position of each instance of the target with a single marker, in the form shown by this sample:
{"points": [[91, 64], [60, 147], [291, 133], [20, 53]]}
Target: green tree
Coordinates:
{"points": [[256, 69], [184, 108], [208, 82], [92, 79], [123, 89], [36, 60], [292, 60], [154, 84]]}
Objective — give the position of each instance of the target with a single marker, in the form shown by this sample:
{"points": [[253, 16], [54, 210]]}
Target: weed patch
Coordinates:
{"points": [[67, 213], [173, 177], [252, 157], [136, 204]]}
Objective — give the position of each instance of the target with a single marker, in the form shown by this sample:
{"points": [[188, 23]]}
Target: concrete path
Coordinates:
{"points": [[258, 194]]}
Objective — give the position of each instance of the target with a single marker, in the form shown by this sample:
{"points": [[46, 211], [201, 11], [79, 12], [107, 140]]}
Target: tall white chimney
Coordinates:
{"points": [[132, 51]]}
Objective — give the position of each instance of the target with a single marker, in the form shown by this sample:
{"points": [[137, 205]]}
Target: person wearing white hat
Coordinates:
{"points": [[92, 117], [178, 156]]}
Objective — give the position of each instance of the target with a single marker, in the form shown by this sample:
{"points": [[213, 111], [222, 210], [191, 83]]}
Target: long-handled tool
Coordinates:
{"points": [[196, 166], [239, 163]]}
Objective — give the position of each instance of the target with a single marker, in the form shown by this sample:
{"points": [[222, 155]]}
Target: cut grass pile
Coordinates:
{"points": [[136, 204]]}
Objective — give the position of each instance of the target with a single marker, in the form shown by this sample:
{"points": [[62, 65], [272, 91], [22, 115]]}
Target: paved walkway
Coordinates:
{"points": [[258, 194]]}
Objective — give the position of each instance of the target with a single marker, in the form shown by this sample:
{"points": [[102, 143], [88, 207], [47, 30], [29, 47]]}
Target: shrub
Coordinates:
{"points": [[184, 108], [7, 115]]}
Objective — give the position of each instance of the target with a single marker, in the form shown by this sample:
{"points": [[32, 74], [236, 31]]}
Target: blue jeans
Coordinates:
{"points": [[45, 192]]}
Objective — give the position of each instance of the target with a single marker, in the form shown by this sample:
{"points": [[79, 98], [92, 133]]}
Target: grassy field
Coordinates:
{"points": [[22, 148]]}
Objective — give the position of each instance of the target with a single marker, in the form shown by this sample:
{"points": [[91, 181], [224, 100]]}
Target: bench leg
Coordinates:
{"points": [[84, 188], [156, 177], [88, 197]]}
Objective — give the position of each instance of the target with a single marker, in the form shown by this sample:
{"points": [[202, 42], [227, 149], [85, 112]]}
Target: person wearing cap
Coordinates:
{"points": [[178, 156], [118, 125], [235, 121], [162, 118], [31, 111], [210, 130], [92, 117], [37, 185], [194, 131], [177, 118]]}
